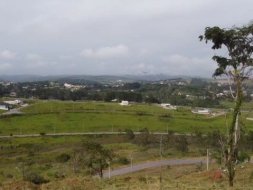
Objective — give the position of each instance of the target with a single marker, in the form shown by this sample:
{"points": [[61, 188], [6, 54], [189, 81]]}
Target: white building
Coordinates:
{"points": [[13, 102], [168, 106], [202, 111], [4, 107], [124, 103]]}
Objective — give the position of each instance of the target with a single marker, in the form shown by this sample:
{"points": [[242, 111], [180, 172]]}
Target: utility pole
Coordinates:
{"points": [[207, 159], [109, 163], [131, 160], [161, 140]]}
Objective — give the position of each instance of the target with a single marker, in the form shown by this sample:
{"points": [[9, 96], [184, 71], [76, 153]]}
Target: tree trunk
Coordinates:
{"points": [[101, 172], [234, 134]]}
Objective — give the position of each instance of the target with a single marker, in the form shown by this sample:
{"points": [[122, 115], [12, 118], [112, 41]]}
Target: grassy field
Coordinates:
{"points": [[59, 116], [39, 155], [188, 177]]}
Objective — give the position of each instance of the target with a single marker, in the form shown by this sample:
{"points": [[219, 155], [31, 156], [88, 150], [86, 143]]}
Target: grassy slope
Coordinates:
{"points": [[57, 116], [189, 177]]}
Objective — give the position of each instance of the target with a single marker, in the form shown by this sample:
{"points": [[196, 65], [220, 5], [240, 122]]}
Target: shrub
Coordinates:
{"points": [[35, 178], [165, 117], [59, 175], [181, 143], [63, 158], [143, 138], [243, 156], [130, 134], [123, 160], [9, 176]]}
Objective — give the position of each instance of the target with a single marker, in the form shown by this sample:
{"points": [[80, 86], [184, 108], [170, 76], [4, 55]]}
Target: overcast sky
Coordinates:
{"points": [[116, 37]]}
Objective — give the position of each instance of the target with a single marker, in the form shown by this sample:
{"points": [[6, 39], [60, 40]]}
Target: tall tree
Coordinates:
{"points": [[236, 66]]}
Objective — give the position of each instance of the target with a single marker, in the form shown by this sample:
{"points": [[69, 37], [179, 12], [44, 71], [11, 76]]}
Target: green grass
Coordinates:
{"points": [[44, 150], [187, 177], [59, 116]]}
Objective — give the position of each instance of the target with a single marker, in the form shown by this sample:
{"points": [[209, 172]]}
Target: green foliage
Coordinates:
{"points": [[243, 156], [96, 157], [238, 42], [213, 139], [35, 178], [64, 157], [130, 134], [181, 143], [151, 99], [237, 66], [123, 160], [144, 138]]}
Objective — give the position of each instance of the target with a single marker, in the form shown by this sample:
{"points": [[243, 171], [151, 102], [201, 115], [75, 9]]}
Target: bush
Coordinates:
{"points": [[243, 156], [143, 139], [181, 143], [165, 116], [130, 134], [123, 160], [36, 178], [59, 175], [63, 158]]}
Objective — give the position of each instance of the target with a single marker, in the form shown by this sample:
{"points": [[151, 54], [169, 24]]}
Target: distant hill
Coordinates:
{"points": [[89, 78]]}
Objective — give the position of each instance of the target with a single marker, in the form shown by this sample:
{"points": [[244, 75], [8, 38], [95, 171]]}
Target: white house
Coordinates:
{"points": [[168, 106], [124, 103], [66, 85], [4, 107], [13, 102], [202, 111]]}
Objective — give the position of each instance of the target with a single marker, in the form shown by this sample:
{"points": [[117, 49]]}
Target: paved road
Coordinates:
{"points": [[153, 164], [12, 112], [15, 110]]}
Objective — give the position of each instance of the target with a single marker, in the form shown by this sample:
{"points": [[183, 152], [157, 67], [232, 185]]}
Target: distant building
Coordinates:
{"points": [[73, 87], [13, 102], [66, 85], [124, 103], [4, 107], [168, 106], [202, 111]]}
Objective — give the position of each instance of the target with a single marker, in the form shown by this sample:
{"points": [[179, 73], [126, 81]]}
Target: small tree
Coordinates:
{"points": [[143, 138], [97, 157], [236, 66], [181, 143]]}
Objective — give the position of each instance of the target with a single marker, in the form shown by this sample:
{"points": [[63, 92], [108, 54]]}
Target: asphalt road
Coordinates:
{"points": [[153, 164]]}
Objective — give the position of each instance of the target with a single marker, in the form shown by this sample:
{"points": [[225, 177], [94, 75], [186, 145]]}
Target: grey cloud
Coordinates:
{"points": [[113, 37], [106, 52], [7, 54]]}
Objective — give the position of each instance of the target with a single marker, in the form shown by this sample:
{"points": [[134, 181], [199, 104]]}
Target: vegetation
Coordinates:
{"points": [[96, 157], [236, 67], [60, 116]]}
